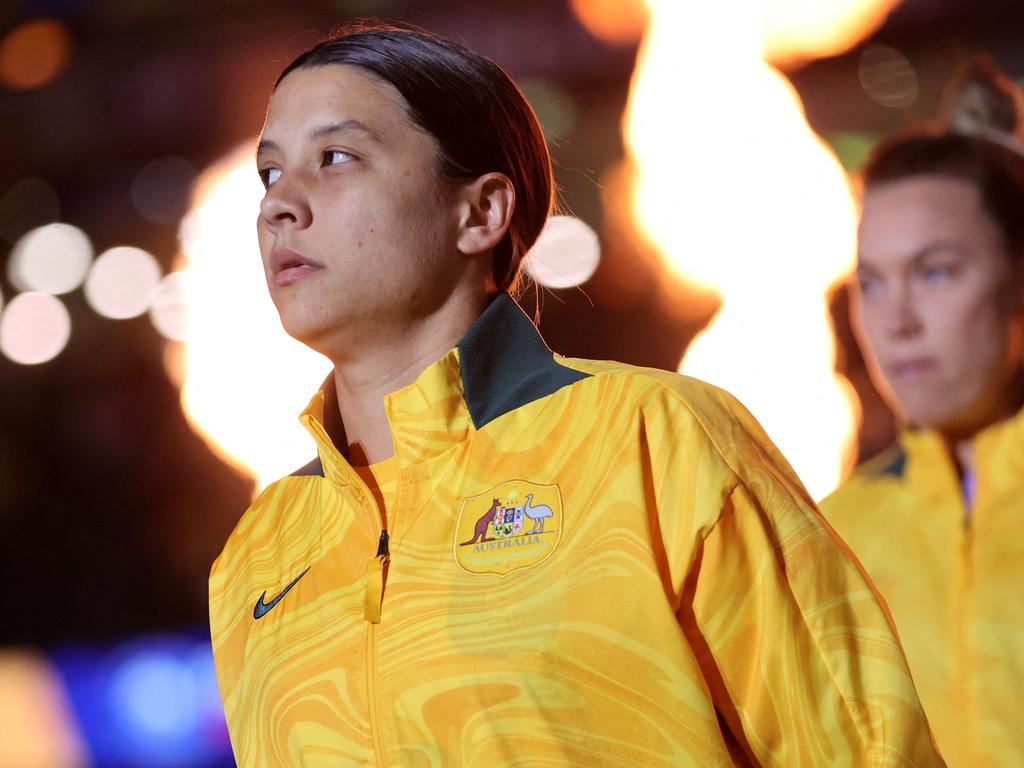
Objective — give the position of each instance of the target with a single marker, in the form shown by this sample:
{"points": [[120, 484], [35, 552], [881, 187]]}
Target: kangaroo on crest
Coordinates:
{"points": [[480, 532]]}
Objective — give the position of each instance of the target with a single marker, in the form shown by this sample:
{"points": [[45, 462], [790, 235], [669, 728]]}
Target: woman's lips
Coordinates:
{"points": [[290, 266], [291, 275], [912, 368]]}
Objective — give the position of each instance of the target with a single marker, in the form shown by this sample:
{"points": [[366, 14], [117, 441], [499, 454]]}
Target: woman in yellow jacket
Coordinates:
{"points": [[937, 519], [501, 556]]}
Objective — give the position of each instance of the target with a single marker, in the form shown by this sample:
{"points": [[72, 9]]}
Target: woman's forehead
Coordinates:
{"points": [[907, 219], [336, 94], [934, 191], [923, 206]]}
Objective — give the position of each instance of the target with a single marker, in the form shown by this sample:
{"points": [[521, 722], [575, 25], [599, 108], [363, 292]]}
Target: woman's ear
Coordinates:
{"points": [[485, 208]]}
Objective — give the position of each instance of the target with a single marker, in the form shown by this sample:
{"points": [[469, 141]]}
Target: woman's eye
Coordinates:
{"points": [[937, 273], [869, 286], [337, 157], [269, 175]]}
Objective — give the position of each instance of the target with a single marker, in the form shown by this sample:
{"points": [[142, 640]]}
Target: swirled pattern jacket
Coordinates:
{"points": [[953, 576], [579, 564]]}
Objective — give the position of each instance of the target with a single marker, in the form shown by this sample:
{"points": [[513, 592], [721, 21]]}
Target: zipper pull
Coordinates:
{"points": [[375, 572]]}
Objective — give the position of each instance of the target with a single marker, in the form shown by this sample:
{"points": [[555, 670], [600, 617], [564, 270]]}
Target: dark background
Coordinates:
{"points": [[111, 508]]}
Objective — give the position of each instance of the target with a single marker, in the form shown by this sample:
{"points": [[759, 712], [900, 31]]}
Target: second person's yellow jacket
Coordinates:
{"points": [[953, 576]]}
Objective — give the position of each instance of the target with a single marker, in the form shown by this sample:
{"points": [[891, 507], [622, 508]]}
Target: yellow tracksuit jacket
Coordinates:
{"points": [[584, 564], [954, 580]]}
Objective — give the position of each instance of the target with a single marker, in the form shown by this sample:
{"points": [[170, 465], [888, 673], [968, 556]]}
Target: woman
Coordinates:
{"points": [[936, 519], [501, 556]]}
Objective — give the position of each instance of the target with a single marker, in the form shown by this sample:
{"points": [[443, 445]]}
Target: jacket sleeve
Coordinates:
{"points": [[798, 651]]}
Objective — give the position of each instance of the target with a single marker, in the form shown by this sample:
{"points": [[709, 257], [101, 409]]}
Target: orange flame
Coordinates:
{"points": [[741, 197], [793, 31], [244, 380], [790, 31], [619, 22]]}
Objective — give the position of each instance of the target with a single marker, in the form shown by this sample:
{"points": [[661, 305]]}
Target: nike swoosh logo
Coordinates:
{"points": [[262, 609]]}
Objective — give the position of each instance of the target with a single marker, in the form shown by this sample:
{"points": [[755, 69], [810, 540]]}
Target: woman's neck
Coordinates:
{"points": [[1002, 401], [394, 360], [963, 455], [961, 442]]}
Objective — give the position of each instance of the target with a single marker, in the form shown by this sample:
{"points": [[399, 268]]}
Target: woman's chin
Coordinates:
{"points": [[308, 331]]}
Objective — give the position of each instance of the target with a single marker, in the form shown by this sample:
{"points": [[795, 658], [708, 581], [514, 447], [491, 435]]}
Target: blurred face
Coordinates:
{"points": [[357, 229], [938, 305]]}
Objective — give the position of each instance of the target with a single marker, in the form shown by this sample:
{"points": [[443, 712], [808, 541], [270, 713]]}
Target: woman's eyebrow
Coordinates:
{"points": [[320, 131], [346, 126], [938, 246], [863, 268]]}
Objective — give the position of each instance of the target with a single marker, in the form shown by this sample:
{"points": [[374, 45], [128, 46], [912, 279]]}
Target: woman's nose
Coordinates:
{"points": [[902, 316], [285, 205]]}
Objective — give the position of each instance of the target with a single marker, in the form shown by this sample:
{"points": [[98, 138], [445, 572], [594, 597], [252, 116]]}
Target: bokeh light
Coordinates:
{"points": [[794, 31], [33, 54], [149, 702], [122, 282], [50, 259], [555, 106], [852, 148], [566, 253], [36, 725], [619, 22], [25, 205], [762, 214], [34, 328], [161, 188], [887, 77], [169, 308], [156, 695], [245, 379]]}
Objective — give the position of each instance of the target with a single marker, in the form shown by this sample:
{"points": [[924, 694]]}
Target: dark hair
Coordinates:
{"points": [[975, 142], [996, 172], [479, 118]]}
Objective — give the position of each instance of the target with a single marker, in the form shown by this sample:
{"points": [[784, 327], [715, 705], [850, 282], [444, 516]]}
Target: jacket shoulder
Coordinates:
{"points": [[259, 526], [872, 478], [684, 401], [699, 397]]}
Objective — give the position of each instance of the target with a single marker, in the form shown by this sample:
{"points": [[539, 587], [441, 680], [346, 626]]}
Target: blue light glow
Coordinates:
{"points": [[151, 702]]}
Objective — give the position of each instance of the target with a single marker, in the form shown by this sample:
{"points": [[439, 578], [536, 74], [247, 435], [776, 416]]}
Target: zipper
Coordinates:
{"points": [[371, 694], [377, 568], [375, 572], [965, 655], [373, 596]]}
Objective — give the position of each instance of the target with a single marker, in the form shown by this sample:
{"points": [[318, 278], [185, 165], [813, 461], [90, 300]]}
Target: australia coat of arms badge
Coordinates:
{"points": [[514, 525]]}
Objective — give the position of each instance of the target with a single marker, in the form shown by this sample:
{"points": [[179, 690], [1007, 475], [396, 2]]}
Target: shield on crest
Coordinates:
{"points": [[508, 521]]}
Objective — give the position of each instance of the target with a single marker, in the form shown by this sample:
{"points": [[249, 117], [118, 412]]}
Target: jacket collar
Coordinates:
{"points": [[501, 364], [998, 459]]}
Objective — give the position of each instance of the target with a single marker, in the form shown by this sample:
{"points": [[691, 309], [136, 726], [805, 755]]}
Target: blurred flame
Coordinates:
{"points": [[742, 198], [797, 30], [789, 31], [245, 381], [619, 22]]}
